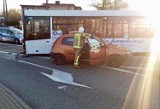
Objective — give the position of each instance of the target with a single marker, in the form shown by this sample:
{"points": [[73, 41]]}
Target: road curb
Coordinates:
{"points": [[19, 100]]}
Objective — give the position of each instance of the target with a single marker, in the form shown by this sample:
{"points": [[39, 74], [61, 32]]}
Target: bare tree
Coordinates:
{"points": [[109, 4], [14, 16]]}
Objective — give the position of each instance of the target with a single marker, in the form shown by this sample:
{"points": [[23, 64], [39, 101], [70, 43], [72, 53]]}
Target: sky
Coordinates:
{"points": [[85, 4]]}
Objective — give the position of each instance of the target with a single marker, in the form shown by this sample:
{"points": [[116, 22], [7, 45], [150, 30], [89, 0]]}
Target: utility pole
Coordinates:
{"points": [[115, 4], [46, 1], [103, 4], [5, 12]]}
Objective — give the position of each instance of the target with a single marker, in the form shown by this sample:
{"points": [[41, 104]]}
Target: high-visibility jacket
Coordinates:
{"points": [[78, 40]]}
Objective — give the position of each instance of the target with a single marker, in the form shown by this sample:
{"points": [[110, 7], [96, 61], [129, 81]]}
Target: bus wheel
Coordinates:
{"points": [[114, 61], [16, 41], [58, 59]]}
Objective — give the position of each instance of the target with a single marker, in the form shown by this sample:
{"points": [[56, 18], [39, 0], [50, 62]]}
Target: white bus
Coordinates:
{"points": [[126, 28]]}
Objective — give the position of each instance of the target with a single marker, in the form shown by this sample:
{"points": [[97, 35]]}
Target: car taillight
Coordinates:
{"points": [[55, 42]]}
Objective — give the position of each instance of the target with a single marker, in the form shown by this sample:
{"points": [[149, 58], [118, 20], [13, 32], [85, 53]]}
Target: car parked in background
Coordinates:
{"points": [[95, 51], [11, 34]]}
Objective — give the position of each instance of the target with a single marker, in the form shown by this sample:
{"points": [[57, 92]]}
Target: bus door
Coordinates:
{"points": [[37, 35]]}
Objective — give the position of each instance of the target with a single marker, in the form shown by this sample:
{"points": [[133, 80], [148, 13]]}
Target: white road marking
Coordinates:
{"points": [[63, 77], [5, 52], [35, 65], [57, 75], [122, 70], [117, 69], [132, 67], [44, 57], [145, 57], [62, 87]]}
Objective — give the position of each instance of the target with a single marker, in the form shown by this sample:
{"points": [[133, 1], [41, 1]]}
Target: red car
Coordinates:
{"points": [[95, 51]]}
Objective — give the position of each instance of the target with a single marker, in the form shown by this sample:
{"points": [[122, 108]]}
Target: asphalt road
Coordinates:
{"points": [[91, 87]]}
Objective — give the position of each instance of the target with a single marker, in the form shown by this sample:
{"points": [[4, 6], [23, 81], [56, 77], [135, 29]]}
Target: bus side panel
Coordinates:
{"points": [[38, 46]]}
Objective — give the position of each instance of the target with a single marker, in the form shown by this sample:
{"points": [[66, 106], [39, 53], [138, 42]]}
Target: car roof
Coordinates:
{"points": [[11, 28], [68, 35], [5, 27]]}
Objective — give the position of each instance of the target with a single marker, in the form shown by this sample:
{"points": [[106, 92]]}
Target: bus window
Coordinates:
{"points": [[38, 28], [99, 27], [117, 27], [67, 24], [89, 25], [139, 28]]}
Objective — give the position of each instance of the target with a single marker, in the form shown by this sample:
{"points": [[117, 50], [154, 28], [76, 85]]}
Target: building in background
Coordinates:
{"points": [[51, 6]]}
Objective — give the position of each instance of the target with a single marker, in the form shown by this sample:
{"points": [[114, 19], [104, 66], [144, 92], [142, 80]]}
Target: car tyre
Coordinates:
{"points": [[114, 61], [58, 59], [16, 41]]}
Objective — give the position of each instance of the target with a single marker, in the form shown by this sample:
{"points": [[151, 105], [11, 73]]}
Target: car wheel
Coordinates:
{"points": [[114, 61], [58, 59], [16, 41]]}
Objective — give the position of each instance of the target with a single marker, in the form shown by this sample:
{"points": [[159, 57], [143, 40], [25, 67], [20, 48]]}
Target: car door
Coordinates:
{"points": [[5, 35], [8, 35], [97, 53], [11, 36], [6, 38], [67, 44]]}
